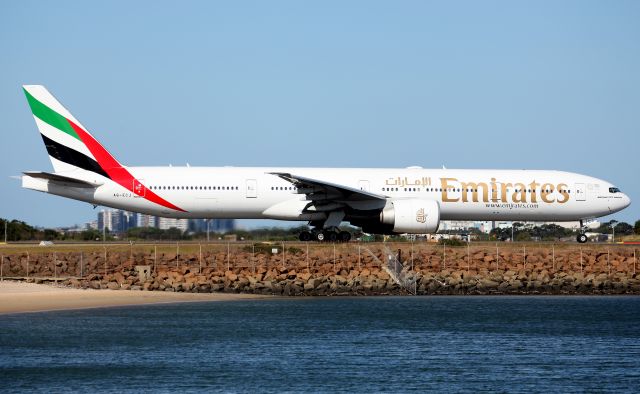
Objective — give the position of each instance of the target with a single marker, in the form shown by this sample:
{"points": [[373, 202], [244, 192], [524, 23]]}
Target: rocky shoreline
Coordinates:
{"points": [[346, 271]]}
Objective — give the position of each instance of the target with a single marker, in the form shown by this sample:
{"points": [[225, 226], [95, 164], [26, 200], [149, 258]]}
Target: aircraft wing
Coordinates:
{"points": [[322, 192], [67, 181]]}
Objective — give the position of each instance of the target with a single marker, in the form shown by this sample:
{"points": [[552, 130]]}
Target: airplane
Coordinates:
{"points": [[410, 200]]}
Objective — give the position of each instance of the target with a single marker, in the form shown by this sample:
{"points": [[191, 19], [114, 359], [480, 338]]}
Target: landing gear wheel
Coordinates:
{"points": [[344, 236], [305, 236], [320, 236], [582, 238], [330, 236]]}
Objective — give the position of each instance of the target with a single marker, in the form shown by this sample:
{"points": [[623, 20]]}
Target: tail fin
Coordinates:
{"points": [[69, 144]]}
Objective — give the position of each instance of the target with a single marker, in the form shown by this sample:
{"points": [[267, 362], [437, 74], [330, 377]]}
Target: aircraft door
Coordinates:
{"points": [[580, 192], [363, 185], [252, 188]]}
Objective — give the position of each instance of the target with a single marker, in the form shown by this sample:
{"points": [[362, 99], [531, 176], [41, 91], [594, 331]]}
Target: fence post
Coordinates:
{"points": [[444, 256], [524, 257], [200, 260], [2, 263], [359, 256], [284, 256], [468, 256], [553, 257], [55, 267], [228, 252], [307, 257], [634, 261], [105, 261], [608, 264], [497, 256], [155, 257], [177, 254], [81, 267], [28, 265], [334, 257], [411, 254], [253, 258]]}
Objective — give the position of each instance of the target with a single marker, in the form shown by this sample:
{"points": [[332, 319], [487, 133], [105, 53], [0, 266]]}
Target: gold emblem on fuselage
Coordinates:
{"points": [[421, 217]]}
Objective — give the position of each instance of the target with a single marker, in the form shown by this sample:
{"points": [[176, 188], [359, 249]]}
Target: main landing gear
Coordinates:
{"points": [[326, 235]]}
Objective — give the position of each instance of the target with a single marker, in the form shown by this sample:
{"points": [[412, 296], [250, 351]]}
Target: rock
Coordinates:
{"points": [[136, 288], [113, 286]]}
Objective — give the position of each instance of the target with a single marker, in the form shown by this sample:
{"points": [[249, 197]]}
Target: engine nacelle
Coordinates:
{"points": [[412, 215]]}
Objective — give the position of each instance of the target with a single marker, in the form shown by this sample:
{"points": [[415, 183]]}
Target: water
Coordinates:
{"points": [[391, 344]]}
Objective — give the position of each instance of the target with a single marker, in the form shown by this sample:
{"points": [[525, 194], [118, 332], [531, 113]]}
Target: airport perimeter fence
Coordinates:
{"points": [[81, 261]]}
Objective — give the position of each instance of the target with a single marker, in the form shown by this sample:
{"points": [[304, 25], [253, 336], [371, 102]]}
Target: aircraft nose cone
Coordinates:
{"points": [[626, 201]]}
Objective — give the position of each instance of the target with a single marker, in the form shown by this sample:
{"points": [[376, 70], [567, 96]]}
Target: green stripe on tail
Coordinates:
{"points": [[50, 116]]}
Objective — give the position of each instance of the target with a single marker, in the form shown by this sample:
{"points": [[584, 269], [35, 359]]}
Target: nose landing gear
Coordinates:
{"points": [[582, 237]]}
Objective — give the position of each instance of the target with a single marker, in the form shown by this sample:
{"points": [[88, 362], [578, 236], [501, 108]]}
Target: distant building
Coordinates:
{"points": [[215, 225], [167, 223], [118, 221], [147, 220]]}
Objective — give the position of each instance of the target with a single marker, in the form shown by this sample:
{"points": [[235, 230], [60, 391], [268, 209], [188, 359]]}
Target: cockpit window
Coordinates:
{"points": [[614, 190]]}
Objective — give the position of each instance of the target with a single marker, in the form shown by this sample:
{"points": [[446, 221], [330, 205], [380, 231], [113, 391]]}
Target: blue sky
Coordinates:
{"points": [[466, 84]]}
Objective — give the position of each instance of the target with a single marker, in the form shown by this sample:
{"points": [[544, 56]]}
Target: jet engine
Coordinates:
{"points": [[412, 215]]}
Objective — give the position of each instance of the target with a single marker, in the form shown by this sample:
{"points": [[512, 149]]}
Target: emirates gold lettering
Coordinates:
{"points": [[496, 191]]}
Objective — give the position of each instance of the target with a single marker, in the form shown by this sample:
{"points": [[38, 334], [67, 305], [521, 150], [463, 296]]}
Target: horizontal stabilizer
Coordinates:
{"points": [[73, 182]]}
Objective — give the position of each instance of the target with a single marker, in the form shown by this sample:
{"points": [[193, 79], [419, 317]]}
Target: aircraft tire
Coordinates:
{"points": [[305, 236], [582, 238], [344, 236], [320, 236], [330, 236]]}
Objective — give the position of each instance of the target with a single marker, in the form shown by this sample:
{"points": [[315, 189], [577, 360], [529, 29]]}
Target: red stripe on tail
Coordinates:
{"points": [[116, 172]]}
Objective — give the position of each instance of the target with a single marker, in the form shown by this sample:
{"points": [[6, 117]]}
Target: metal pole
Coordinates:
{"points": [[359, 257], [155, 257], [105, 261], [497, 256], [200, 260], [177, 253], [284, 256], [468, 257], [634, 261], [307, 257], [524, 257], [1, 264], [253, 258], [55, 267], [608, 265], [27, 264], [411, 254], [334, 257], [228, 251], [81, 268], [553, 257]]}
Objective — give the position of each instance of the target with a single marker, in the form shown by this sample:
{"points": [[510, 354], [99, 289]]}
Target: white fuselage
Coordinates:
{"points": [[255, 193]]}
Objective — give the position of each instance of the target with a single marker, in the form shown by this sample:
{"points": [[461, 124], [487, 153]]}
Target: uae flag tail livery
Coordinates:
{"points": [[78, 159]]}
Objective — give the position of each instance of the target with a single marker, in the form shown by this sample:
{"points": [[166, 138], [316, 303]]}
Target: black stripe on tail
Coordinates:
{"points": [[73, 157]]}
